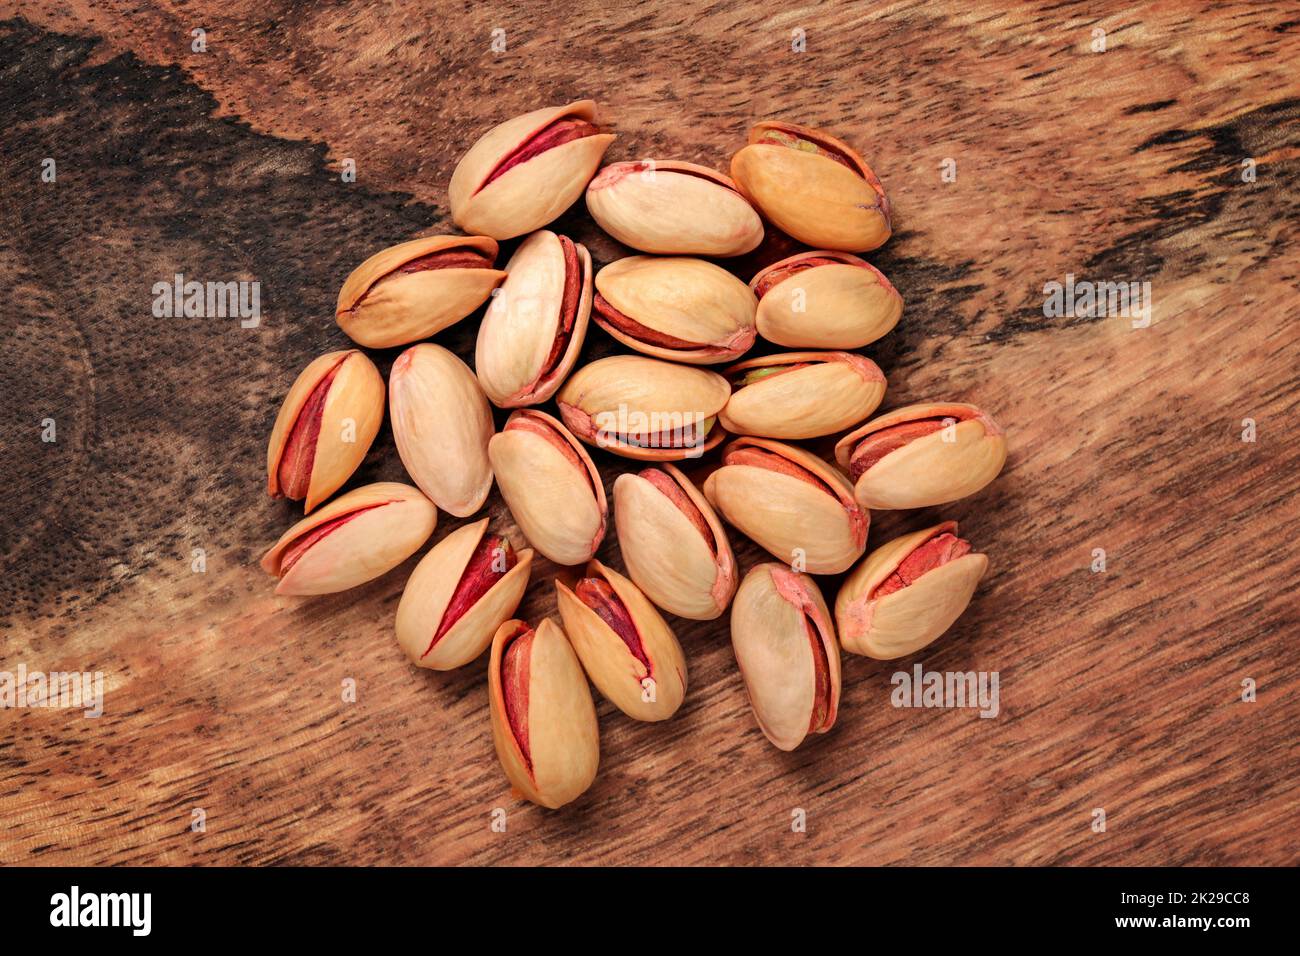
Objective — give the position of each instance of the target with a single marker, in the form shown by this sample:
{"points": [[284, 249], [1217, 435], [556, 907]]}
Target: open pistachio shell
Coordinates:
{"points": [[524, 173], [813, 187], [441, 424], [790, 502], [534, 328], [825, 300], [922, 455], [324, 428], [675, 548], [466, 587], [907, 592], [415, 289], [543, 718], [643, 408], [626, 648], [353, 539], [785, 645], [801, 394], [551, 486], [673, 208], [676, 308]]}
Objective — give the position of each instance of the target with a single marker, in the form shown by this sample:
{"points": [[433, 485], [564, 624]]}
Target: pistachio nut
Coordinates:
{"points": [[790, 502], [522, 174], [825, 300], [677, 308], [673, 544], [466, 587], [543, 718], [441, 424], [627, 650], [643, 408], [353, 539], [534, 328], [551, 486], [785, 645], [813, 187], [922, 455], [415, 289], [801, 394], [673, 208], [907, 592], [324, 428]]}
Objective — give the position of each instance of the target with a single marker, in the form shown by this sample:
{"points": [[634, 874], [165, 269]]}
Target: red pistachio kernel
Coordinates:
{"points": [[487, 565], [598, 595], [805, 144], [877, 445], [568, 306], [607, 315], [689, 435], [777, 276], [934, 553], [463, 258], [674, 493], [557, 133], [821, 678], [543, 429], [514, 688], [293, 475], [762, 458], [291, 555]]}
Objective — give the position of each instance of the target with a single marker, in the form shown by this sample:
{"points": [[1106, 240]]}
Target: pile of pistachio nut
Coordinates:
{"points": [[680, 314]]}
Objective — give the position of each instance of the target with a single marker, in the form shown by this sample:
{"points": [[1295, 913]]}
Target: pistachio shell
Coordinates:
{"points": [[517, 337], [430, 590], [560, 506], [441, 424], [381, 306], [956, 461], [625, 403], [673, 208], [816, 527], [534, 192], [371, 530], [904, 621], [825, 300], [832, 391], [702, 309], [563, 740], [667, 555], [623, 677], [348, 419], [816, 200], [784, 642]]}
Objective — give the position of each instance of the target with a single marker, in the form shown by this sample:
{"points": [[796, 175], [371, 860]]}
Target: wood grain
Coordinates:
{"points": [[1119, 690]]}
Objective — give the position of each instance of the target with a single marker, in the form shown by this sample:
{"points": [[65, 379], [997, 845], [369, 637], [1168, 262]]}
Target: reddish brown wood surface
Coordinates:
{"points": [[1119, 690]]}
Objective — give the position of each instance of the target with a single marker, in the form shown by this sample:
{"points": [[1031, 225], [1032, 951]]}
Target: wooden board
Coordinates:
{"points": [[1119, 690]]}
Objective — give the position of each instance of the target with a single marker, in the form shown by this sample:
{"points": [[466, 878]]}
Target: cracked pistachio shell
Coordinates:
{"points": [[934, 469], [906, 620], [705, 312], [825, 300], [551, 486], [812, 524], [348, 420], [673, 208], [441, 424], [686, 569], [622, 677], [534, 192], [381, 306], [801, 394], [638, 407], [555, 758], [785, 645], [428, 594], [353, 539], [518, 334], [807, 195]]}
